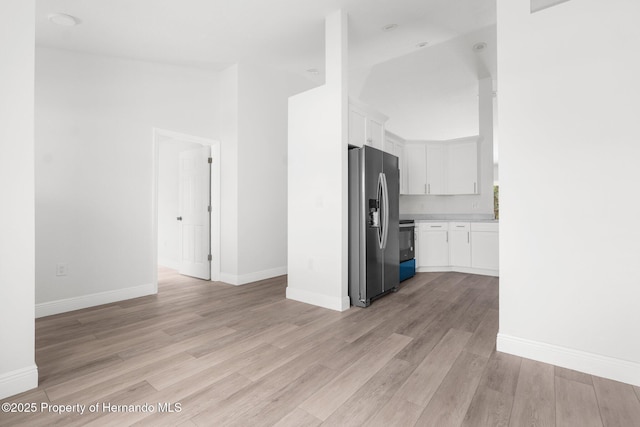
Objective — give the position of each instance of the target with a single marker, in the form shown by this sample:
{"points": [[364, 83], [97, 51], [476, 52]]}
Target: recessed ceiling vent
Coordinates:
{"points": [[538, 5], [64, 19], [479, 47]]}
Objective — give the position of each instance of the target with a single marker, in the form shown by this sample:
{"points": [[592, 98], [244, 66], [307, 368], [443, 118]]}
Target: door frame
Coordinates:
{"points": [[215, 197]]}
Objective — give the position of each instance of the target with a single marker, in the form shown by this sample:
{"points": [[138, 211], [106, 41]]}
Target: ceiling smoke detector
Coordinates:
{"points": [[389, 27], [422, 44], [64, 19], [479, 47]]}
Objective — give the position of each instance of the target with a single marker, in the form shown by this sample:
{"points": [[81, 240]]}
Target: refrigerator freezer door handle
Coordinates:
{"points": [[380, 196], [385, 213]]}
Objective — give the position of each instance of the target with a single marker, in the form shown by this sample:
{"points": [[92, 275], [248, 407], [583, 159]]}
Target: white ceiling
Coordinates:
{"points": [[287, 34], [432, 93]]}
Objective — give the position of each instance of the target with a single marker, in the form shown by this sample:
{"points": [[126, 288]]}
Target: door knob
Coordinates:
{"points": [[179, 218]]}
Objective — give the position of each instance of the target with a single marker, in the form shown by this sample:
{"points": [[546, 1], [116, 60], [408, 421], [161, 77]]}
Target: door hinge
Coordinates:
{"points": [[209, 208], [210, 257], [210, 160]]}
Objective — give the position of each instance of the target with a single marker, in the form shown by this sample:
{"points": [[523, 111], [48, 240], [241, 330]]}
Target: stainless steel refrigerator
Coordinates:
{"points": [[374, 252]]}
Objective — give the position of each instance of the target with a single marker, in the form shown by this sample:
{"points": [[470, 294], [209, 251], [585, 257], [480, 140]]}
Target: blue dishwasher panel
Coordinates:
{"points": [[407, 269]]}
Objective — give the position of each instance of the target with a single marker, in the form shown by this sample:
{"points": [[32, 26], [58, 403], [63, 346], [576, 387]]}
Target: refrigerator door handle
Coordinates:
{"points": [[385, 212], [381, 209]]}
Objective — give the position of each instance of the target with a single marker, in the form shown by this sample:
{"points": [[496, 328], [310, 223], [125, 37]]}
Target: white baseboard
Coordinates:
{"points": [[468, 270], [590, 363], [338, 304], [243, 279], [84, 301], [480, 271], [18, 381]]}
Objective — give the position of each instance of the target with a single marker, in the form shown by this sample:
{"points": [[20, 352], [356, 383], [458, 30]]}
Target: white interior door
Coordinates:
{"points": [[194, 216]]}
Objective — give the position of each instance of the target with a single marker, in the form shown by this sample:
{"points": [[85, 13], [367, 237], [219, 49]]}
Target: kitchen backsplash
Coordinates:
{"points": [[448, 205], [447, 217]]}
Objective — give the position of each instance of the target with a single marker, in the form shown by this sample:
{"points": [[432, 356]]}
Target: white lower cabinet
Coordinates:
{"points": [[460, 244], [468, 247], [484, 248], [433, 244]]}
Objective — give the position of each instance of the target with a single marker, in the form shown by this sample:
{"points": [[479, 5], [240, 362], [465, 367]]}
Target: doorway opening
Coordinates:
{"points": [[186, 204]]}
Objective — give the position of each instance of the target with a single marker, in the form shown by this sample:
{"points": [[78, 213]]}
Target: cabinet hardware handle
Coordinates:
{"points": [[429, 187], [447, 237], [468, 241], [425, 188], [436, 226], [474, 188], [460, 226]]}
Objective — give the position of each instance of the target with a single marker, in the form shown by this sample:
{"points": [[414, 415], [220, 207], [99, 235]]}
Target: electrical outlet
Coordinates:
{"points": [[62, 269]]}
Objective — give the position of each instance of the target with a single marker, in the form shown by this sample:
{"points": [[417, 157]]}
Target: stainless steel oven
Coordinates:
{"points": [[407, 240]]}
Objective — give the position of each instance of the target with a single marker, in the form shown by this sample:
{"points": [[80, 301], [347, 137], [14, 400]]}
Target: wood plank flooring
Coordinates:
{"points": [[246, 356]]}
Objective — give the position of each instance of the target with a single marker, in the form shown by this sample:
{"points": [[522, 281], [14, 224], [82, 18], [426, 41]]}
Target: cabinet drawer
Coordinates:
{"points": [[484, 226], [459, 226], [434, 226]]}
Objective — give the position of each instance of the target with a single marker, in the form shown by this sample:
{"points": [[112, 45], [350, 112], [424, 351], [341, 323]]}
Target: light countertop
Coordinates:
{"points": [[449, 217]]}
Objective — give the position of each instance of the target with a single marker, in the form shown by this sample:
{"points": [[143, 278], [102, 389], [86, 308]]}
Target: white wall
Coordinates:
{"points": [[317, 258], [18, 371], [262, 168], [169, 151], [254, 171], [482, 203], [229, 174], [432, 94], [94, 157], [569, 98]]}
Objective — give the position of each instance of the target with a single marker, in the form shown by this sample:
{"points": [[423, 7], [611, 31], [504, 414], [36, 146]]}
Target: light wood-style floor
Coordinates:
{"points": [[246, 356]]}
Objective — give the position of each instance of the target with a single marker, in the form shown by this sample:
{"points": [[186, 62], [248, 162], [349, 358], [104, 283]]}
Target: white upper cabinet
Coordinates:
{"points": [[436, 161], [399, 152], [375, 133], [442, 167], [389, 145], [393, 144], [357, 127], [462, 167], [366, 125], [416, 165]]}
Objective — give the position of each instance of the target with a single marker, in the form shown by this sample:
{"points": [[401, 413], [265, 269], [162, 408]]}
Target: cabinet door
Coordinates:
{"points": [[415, 161], [375, 133], [399, 153], [462, 168], [435, 168], [433, 246], [484, 250], [357, 127], [460, 244], [389, 147]]}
